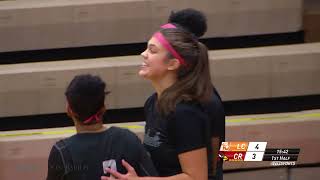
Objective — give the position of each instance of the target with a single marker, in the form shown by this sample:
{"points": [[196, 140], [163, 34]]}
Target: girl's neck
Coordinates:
{"points": [[162, 84], [94, 128]]}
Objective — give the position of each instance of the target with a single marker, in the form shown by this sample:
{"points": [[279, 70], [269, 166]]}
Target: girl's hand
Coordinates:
{"points": [[131, 174]]}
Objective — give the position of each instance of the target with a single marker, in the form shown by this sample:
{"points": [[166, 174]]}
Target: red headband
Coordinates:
{"points": [[96, 117]]}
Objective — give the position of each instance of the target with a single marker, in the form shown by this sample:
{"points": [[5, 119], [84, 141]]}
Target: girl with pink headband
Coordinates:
{"points": [[185, 116]]}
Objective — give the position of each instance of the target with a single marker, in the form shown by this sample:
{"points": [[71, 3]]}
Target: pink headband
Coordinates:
{"points": [[167, 45], [168, 26], [96, 117]]}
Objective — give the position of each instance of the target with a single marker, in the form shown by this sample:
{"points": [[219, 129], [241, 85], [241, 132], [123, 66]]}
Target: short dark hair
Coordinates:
{"points": [[85, 95]]}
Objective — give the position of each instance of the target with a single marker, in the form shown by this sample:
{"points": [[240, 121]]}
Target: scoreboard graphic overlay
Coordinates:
{"points": [[257, 151]]}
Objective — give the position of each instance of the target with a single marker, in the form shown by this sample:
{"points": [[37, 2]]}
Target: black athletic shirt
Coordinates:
{"points": [[89, 150], [184, 130]]}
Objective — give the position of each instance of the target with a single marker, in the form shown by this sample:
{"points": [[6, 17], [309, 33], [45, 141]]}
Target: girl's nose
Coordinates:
{"points": [[144, 54]]}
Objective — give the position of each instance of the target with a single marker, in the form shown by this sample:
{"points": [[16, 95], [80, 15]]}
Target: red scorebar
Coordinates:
{"points": [[232, 155]]}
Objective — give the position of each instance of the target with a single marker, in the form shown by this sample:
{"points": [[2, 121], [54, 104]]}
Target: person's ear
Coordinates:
{"points": [[69, 110], [173, 64]]}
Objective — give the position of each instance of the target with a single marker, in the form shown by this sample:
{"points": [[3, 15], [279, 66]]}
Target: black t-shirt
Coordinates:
{"points": [[86, 153], [184, 130]]}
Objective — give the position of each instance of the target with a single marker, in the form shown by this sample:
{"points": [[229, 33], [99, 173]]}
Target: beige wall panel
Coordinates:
{"points": [[252, 17], [275, 71], [296, 75], [25, 159], [112, 23], [57, 24], [265, 174], [242, 78], [37, 28], [305, 173]]}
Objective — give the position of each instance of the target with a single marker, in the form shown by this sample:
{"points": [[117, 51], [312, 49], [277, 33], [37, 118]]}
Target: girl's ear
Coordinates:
{"points": [[69, 110], [173, 64]]}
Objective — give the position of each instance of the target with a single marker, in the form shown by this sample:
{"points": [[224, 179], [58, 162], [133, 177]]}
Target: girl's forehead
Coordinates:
{"points": [[154, 42]]}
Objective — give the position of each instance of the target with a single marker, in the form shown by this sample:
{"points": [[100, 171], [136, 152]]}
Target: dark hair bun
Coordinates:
{"points": [[190, 19]]}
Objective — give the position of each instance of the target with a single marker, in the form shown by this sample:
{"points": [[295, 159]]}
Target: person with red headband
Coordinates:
{"points": [[185, 116], [94, 147]]}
